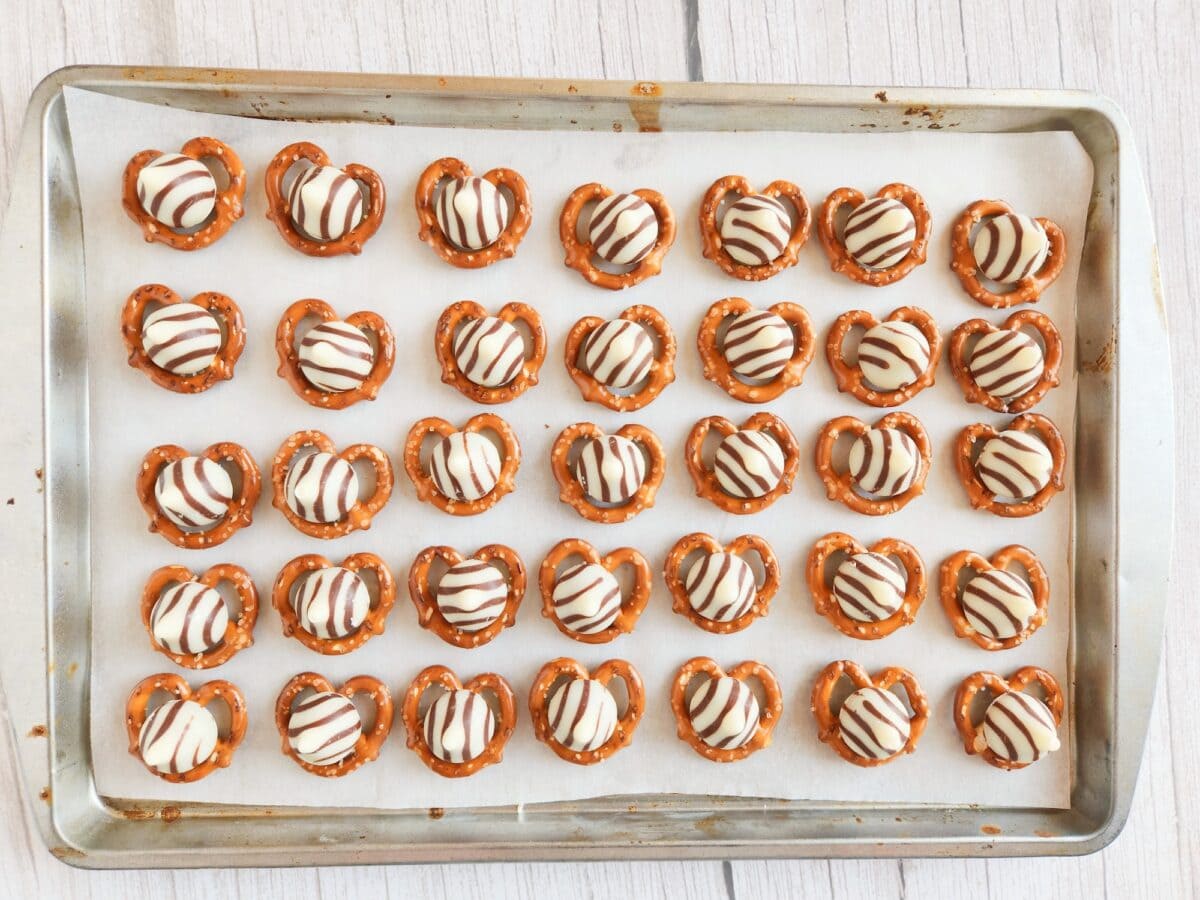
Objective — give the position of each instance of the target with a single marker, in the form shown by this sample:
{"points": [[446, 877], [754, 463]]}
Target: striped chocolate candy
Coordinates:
{"points": [[869, 587], [471, 212], [465, 466], [472, 594], [182, 338], [998, 604], [332, 603], [193, 492], [489, 351], [879, 233], [893, 355], [748, 464], [884, 462], [623, 229], [336, 356], [458, 726], [1019, 728], [755, 229], [1010, 247], [758, 344], [178, 191], [177, 737], [582, 714], [1006, 363], [325, 203], [721, 587], [1014, 465], [724, 713], [321, 487], [618, 353], [874, 723], [610, 469], [587, 598], [189, 618], [323, 728]]}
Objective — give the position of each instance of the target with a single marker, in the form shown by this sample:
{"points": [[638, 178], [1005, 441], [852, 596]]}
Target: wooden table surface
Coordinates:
{"points": [[1141, 54]]}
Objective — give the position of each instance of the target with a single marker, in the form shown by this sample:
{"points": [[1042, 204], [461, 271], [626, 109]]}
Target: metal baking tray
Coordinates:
{"points": [[1123, 503]]}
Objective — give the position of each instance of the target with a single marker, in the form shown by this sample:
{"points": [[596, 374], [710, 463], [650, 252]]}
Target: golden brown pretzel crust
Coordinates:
{"points": [[279, 212], [241, 507], [424, 595], [851, 380], [839, 257], [427, 491], [830, 729], [222, 756], [769, 715], [431, 232], [289, 358], [505, 722], [826, 604], [978, 493], [579, 253], [840, 486], [973, 741], [571, 492], [366, 748], [622, 736], [632, 604], [1039, 583], [220, 369], [1052, 361], [739, 546], [662, 370], [373, 624], [710, 229], [962, 261], [226, 210], [717, 368], [239, 633], [443, 344], [705, 480]]}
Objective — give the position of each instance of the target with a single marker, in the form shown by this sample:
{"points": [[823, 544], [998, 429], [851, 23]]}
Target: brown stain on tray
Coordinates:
{"points": [[1105, 359], [990, 829], [645, 104], [37, 731]]}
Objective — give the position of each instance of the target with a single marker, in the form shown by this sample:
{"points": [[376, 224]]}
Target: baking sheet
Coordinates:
{"points": [[406, 282]]}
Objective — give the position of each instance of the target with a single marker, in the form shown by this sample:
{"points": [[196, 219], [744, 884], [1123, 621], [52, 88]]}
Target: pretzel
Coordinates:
{"points": [[239, 632], [658, 376], [839, 486], [769, 714], [570, 490], [963, 264], [279, 208], [580, 253], [431, 232], [467, 310], [632, 604], [372, 625], [826, 603], [424, 595], [226, 210], [492, 752], [366, 748], [427, 490], [222, 755], [851, 379], [241, 507], [839, 257], [384, 354], [1039, 583], [1053, 354], [971, 734], [360, 514], [221, 307], [978, 493], [707, 544], [829, 724], [718, 370], [705, 479], [622, 736], [710, 231]]}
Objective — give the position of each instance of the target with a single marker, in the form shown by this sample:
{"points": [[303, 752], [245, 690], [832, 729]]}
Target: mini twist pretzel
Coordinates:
{"points": [[227, 207], [963, 263], [829, 723], [452, 371], [840, 258], [492, 752], [425, 483], [571, 490], [222, 755], [631, 606], [980, 496], [952, 598], [660, 373], [383, 356], [224, 311], [360, 512], [852, 380], [960, 364], [580, 254], [971, 734], [707, 544], [429, 612], [240, 508], [769, 714], [720, 371], [239, 632], [622, 730], [374, 622], [504, 246], [366, 748], [826, 603], [280, 212], [710, 229], [706, 481], [839, 486]]}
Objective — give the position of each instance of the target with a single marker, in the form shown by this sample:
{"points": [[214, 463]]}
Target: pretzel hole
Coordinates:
{"points": [[840, 217], [365, 471], [233, 600]]}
